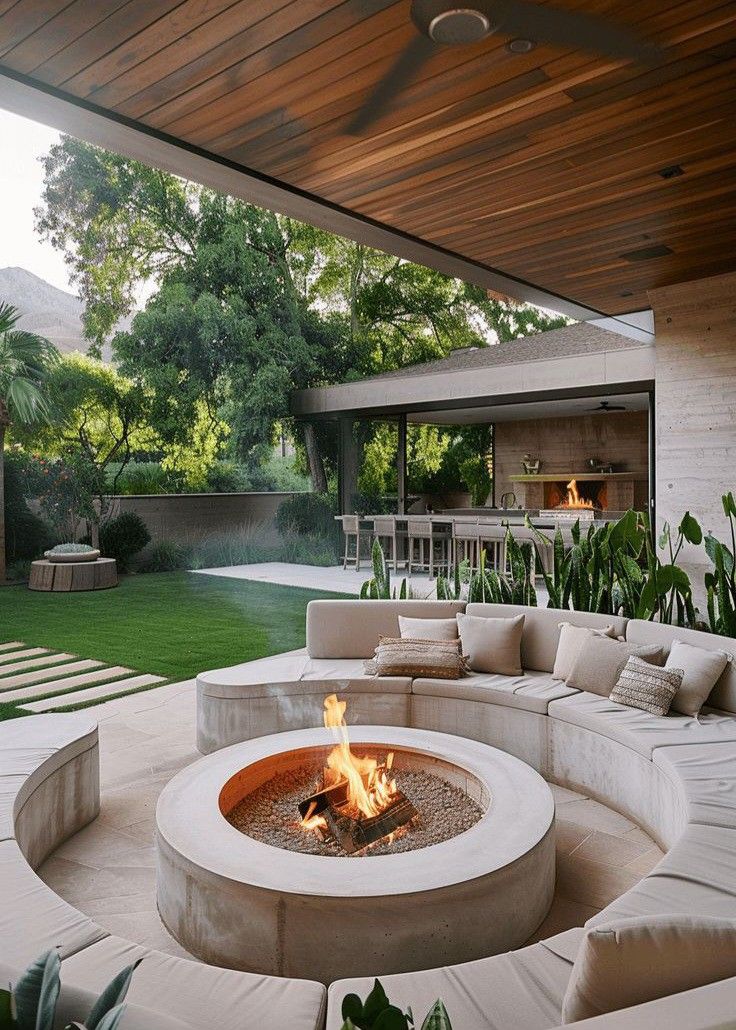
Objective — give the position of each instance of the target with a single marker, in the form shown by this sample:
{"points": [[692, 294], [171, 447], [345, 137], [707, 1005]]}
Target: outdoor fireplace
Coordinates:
{"points": [[576, 499]]}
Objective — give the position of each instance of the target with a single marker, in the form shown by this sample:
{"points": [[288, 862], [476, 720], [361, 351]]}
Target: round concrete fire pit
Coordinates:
{"points": [[234, 901]]}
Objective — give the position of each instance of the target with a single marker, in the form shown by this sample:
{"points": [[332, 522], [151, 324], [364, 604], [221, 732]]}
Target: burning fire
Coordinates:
{"points": [[573, 498], [370, 789]]}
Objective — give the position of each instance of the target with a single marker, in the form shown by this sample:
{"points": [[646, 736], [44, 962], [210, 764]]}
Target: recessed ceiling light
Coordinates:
{"points": [[646, 253], [520, 46], [671, 171]]}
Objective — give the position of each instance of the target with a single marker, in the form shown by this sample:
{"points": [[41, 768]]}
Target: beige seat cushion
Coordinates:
{"points": [[640, 730], [701, 670], [521, 989], [293, 674], [202, 995], [532, 690], [542, 629], [427, 629], [707, 775], [571, 642], [492, 645], [600, 661], [350, 629], [631, 961], [697, 877], [33, 918]]}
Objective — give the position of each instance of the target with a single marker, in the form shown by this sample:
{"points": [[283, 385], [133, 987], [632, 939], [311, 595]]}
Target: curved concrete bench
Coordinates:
{"points": [[49, 789], [675, 776]]}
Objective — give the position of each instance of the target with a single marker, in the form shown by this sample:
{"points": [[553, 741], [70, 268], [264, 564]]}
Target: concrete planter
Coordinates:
{"points": [[71, 556]]}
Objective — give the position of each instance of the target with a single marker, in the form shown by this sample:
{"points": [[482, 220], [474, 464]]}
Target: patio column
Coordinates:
{"points": [[401, 465], [349, 460]]}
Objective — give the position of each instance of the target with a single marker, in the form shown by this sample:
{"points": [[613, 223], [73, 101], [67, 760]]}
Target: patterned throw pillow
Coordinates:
{"points": [[645, 686], [431, 659]]}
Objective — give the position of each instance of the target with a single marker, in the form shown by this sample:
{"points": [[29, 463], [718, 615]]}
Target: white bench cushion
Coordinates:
{"points": [[639, 730], [532, 690], [32, 917], [297, 673], [327, 674], [696, 877], [205, 996], [520, 989], [707, 775]]}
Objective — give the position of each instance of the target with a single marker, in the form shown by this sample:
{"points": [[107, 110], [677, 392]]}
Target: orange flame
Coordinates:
{"points": [[573, 498], [369, 787]]}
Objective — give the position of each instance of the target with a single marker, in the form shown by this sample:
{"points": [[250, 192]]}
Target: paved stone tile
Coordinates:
{"points": [[592, 883], [50, 679], [34, 663], [569, 836], [82, 696], [609, 849], [11, 645], [563, 915], [646, 862], [596, 816], [28, 652]]}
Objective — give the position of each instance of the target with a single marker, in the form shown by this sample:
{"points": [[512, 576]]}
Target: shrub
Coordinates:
{"points": [[167, 556], [123, 537], [142, 477], [308, 515], [26, 535], [224, 477]]}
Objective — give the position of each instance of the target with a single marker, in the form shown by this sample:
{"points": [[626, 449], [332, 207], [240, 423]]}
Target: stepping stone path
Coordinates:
{"points": [[32, 673]]}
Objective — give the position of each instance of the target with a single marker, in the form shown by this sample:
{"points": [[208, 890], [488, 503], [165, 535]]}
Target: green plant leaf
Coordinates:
{"points": [[35, 1000], [6, 1011], [690, 529], [112, 995], [111, 1019], [391, 1018], [437, 1018], [352, 1008], [375, 1003]]}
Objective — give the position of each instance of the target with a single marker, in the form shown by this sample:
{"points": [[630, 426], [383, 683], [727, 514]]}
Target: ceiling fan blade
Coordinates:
{"points": [[573, 30], [400, 74]]}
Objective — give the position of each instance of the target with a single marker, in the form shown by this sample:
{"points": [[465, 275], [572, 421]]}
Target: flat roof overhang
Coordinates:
{"points": [[597, 374]]}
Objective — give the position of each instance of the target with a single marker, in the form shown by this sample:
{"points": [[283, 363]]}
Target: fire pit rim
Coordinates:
{"points": [[190, 822]]}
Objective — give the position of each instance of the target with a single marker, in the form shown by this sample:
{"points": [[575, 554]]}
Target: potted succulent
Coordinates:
{"points": [[72, 553]]}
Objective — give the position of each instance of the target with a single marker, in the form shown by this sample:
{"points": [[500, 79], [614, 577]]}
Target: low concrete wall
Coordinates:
{"points": [[182, 517]]}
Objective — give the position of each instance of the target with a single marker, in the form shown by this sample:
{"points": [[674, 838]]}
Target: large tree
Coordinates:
{"points": [[25, 360], [246, 306]]}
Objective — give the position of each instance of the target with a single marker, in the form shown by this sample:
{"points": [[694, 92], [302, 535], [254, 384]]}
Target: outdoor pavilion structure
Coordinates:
{"points": [[596, 186]]}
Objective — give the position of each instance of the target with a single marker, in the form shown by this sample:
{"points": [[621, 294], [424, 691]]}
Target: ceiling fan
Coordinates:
{"points": [[524, 22], [607, 406]]}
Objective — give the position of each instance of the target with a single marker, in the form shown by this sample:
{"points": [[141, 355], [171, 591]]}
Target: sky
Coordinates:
{"points": [[21, 181]]}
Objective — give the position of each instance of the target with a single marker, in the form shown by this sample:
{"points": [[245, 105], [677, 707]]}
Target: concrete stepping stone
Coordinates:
{"points": [[102, 691], [70, 683], [34, 663], [29, 652], [11, 645], [26, 678]]}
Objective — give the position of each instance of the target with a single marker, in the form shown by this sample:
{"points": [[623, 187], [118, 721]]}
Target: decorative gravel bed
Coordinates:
{"points": [[270, 813]]}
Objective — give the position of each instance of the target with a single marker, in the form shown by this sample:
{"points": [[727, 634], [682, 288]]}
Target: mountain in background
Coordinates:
{"points": [[46, 310]]}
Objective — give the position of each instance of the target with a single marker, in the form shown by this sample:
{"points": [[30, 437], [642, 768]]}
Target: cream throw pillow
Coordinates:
{"points": [[492, 645], [600, 661], [428, 629], [631, 961], [571, 641], [701, 669]]}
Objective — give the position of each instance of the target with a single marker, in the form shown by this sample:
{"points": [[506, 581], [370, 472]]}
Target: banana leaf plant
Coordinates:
{"points": [[31, 1003], [720, 584], [377, 1013]]}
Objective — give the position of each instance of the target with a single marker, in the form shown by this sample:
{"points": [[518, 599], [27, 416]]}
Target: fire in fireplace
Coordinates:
{"points": [[358, 803], [585, 498]]}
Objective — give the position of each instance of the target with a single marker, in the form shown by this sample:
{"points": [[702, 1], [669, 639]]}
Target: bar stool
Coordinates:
{"points": [[492, 539], [386, 532], [466, 543], [351, 531], [420, 532]]}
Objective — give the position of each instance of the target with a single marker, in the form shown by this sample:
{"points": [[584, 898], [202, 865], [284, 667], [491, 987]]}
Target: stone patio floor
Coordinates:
{"points": [[108, 869]]}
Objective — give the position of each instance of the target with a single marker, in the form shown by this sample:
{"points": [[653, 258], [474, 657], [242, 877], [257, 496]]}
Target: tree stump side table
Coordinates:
{"points": [[65, 576]]}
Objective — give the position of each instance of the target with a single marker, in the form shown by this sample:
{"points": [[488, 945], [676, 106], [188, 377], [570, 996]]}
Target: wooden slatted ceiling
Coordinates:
{"points": [[544, 165]]}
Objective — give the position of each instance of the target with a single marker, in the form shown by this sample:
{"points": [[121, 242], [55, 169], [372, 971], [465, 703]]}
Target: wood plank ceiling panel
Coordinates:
{"points": [[545, 165]]}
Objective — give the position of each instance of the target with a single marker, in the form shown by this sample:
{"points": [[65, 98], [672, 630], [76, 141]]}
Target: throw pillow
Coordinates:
{"points": [[646, 686], [700, 671], [427, 629], [571, 641], [600, 661], [430, 659], [631, 961], [492, 645]]}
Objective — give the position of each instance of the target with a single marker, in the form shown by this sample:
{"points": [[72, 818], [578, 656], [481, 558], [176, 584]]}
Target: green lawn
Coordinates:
{"points": [[173, 624]]}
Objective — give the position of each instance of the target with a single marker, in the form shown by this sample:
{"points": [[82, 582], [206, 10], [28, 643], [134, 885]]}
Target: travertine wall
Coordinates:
{"points": [[695, 325], [564, 444]]}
